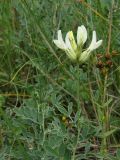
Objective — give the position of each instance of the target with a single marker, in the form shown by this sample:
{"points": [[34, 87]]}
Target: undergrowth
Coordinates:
{"points": [[50, 107]]}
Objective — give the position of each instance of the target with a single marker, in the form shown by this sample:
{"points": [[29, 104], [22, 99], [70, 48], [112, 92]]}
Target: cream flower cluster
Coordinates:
{"points": [[75, 50]]}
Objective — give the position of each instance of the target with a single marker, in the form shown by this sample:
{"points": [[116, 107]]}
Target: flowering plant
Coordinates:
{"points": [[75, 50]]}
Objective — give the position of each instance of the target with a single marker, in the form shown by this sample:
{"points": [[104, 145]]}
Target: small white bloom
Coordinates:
{"points": [[73, 49]]}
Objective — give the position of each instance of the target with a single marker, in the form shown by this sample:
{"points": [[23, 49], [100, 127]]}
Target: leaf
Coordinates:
{"points": [[51, 151], [27, 113], [108, 133], [105, 104], [108, 102], [70, 109], [105, 4], [118, 153], [62, 110], [62, 150]]}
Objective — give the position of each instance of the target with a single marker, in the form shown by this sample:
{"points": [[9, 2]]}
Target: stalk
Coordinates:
{"points": [[78, 110], [104, 146], [105, 121]]}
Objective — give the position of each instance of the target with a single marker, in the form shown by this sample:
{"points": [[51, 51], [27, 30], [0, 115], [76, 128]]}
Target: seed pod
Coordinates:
{"points": [[104, 71], [107, 56], [99, 56], [114, 53], [109, 63], [66, 122], [100, 64]]}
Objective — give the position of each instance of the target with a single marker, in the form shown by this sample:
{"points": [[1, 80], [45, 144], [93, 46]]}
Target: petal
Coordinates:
{"points": [[67, 41], [81, 35], [98, 44], [70, 36], [60, 36], [59, 44], [70, 54], [84, 56], [94, 37], [93, 42], [70, 42], [70, 50]]}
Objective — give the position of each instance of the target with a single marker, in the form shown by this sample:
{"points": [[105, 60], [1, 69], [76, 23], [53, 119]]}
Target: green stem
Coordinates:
{"points": [[105, 122], [105, 110], [79, 111]]}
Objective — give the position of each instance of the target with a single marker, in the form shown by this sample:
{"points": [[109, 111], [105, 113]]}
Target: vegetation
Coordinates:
{"points": [[50, 107]]}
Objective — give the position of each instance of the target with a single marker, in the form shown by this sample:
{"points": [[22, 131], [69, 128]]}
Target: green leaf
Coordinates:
{"points": [[108, 133], [62, 110], [70, 108], [27, 113], [108, 102], [118, 153], [51, 151]]}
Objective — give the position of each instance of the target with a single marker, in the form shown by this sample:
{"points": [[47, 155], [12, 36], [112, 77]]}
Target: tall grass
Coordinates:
{"points": [[51, 108]]}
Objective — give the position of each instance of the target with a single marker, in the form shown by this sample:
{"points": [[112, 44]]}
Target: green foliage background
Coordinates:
{"points": [[38, 82]]}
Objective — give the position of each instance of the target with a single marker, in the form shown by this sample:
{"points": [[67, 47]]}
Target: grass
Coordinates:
{"points": [[51, 108]]}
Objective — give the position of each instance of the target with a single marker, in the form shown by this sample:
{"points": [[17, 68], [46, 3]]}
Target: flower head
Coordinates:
{"points": [[75, 50]]}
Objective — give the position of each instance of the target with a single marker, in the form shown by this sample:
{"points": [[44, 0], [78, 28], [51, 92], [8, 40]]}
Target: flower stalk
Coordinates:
{"points": [[79, 112]]}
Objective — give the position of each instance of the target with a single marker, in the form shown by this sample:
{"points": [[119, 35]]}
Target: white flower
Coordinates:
{"points": [[73, 49]]}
